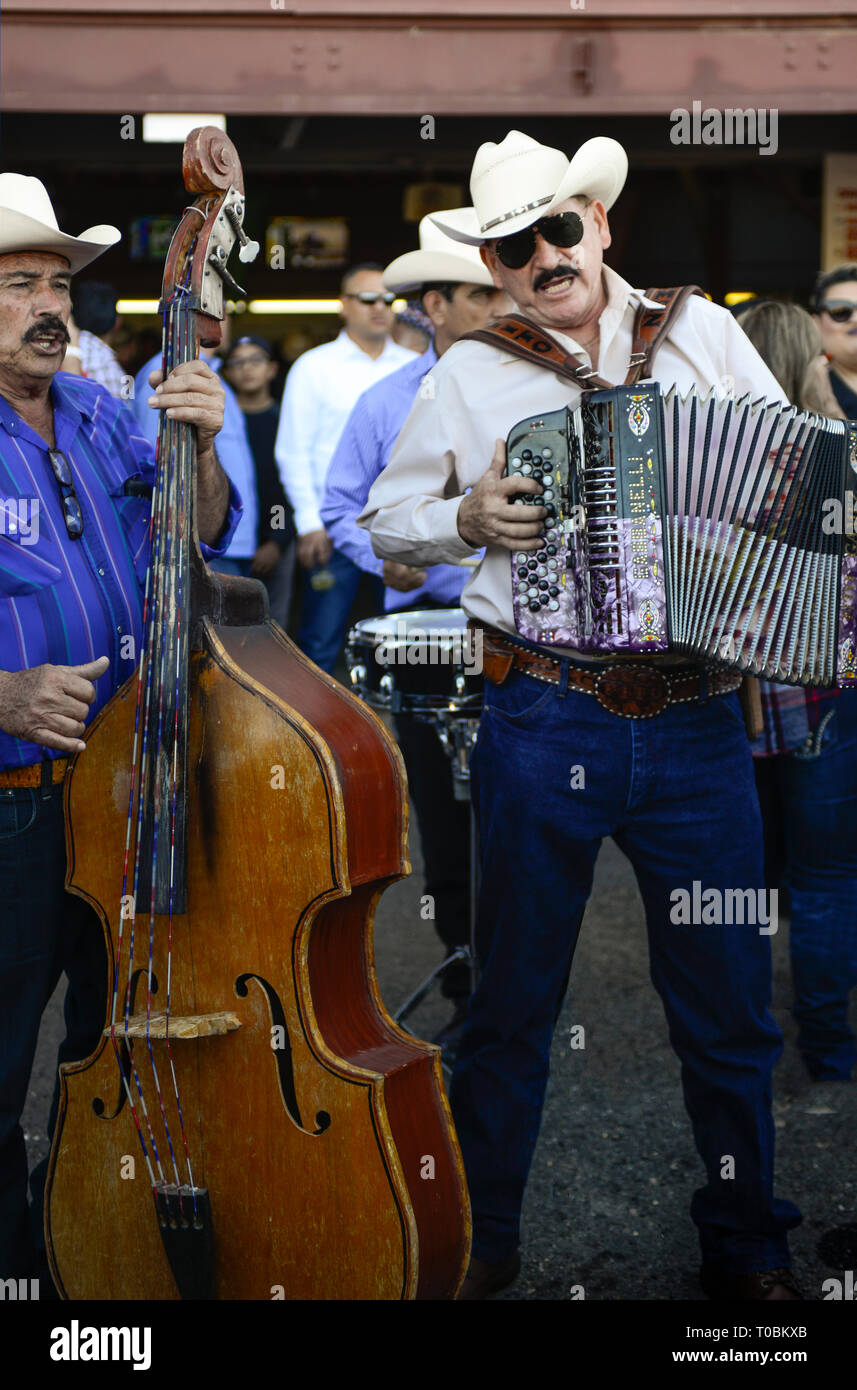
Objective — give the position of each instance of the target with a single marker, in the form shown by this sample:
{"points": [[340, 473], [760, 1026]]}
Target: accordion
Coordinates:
{"points": [[721, 529]]}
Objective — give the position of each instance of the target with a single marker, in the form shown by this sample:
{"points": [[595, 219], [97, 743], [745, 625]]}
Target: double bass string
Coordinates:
{"points": [[166, 594], [165, 515], [144, 783], [137, 785], [186, 351]]}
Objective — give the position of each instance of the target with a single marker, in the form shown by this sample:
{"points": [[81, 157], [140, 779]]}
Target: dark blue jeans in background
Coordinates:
{"points": [[677, 795], [324, 612], [44, 932], [809, 803]]}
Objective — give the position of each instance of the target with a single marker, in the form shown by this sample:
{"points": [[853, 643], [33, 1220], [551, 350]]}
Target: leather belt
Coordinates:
{"points": [[631, 689], [32, 776]]}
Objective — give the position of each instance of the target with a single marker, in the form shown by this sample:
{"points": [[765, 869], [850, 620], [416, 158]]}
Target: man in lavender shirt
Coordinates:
{"points": [[458, 295]]}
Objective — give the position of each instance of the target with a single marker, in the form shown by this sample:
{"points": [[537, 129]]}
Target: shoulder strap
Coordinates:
{"points": [[652, 325], [519, 335]]}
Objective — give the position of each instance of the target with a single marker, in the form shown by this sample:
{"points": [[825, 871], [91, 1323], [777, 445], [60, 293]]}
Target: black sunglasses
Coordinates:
{"points": [[840, 310], [562, 229], [70, 505], [369, 297]]}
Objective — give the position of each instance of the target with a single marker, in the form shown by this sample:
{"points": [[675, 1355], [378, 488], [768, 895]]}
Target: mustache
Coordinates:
{"points": [[47, 325], [559, 272]]}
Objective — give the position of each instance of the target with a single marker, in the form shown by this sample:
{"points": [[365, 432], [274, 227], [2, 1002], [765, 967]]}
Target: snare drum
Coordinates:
{"points": [[417, 661]]}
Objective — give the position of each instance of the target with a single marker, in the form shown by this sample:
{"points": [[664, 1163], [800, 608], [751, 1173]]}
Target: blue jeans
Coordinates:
{"points": [[324, 612], [677, 795], [44, 932], [810, 797]]}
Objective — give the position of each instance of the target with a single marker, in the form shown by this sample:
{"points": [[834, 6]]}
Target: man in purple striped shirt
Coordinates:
{"points": [[74, 515], [458, 295]]}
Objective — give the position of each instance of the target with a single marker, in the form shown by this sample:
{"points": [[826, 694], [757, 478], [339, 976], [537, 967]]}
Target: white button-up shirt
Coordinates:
{"points": [[479, 392], [321, 390]]}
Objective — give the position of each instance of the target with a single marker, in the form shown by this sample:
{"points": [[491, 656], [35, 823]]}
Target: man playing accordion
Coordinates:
{"points": [[673, 787]]}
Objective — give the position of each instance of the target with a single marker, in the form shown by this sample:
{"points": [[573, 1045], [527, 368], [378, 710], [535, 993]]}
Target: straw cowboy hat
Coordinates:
{"points": [[437, 260], [28, 223], [515, 183]]}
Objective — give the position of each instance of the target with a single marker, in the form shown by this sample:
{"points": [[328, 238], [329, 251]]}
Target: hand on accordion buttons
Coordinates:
{"points": [[488, 515]]}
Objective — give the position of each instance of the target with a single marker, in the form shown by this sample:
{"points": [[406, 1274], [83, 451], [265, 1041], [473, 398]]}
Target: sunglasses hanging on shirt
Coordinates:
{"points": [[71, 509], [562, 229]]}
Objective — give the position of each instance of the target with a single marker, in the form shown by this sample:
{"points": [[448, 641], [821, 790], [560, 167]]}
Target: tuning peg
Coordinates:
{"points": [[249, 250]]}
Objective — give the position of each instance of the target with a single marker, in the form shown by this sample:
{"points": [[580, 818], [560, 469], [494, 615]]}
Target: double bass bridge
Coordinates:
{"points": [[177, 1026]]}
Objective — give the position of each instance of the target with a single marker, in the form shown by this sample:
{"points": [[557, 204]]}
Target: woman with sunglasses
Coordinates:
{"points": [[834, 304]]}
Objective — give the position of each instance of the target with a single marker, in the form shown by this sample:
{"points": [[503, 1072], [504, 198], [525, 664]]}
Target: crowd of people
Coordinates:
{"points": [[383, 459]]}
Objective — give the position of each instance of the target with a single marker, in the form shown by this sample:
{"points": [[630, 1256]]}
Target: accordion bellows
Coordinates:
{"points": [[701, 525]]}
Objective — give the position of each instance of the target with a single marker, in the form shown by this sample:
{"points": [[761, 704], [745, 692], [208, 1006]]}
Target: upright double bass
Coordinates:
{"points": [[253, 1124]]}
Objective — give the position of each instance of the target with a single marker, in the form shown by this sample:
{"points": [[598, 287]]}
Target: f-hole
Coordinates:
{"points": [[283, 1056]]}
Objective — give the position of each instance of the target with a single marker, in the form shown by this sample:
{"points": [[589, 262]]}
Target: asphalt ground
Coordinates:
{"points": [[606, 1209]]}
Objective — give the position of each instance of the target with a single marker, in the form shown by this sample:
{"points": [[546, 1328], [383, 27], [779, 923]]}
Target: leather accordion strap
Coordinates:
{"points": [[651, 326], [519, 335]]}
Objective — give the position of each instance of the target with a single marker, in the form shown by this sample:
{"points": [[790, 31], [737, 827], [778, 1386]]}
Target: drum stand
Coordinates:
{"points": [[458, 737]]}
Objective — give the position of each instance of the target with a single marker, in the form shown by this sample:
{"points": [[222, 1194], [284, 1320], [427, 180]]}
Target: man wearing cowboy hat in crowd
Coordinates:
{"points": [[675, 790], [458, 295], [73, 559]]}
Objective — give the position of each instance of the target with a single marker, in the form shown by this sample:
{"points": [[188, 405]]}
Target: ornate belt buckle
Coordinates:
{"points": [[637, 692]]}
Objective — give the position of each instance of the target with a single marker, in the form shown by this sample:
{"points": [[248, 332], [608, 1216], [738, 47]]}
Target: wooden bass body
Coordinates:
{"points": [[319, 1129]]}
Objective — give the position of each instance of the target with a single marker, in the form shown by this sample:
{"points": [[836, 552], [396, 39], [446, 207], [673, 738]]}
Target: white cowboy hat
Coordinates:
{"points": [[515, 183], [28, 223], [437, 260]]}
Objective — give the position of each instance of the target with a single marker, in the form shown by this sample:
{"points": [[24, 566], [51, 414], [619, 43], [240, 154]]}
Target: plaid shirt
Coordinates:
{"points": [[791, 714], [100, 364]]}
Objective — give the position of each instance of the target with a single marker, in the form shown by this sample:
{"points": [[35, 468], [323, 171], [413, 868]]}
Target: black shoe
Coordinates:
{"points": [[449, 1036]]}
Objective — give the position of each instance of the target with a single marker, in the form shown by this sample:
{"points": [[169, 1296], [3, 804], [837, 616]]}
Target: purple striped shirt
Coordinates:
{"points": [[63, 601]]}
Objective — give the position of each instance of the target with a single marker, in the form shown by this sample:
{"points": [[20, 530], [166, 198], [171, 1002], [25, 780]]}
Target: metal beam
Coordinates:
{"points": [[447, 57]]}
